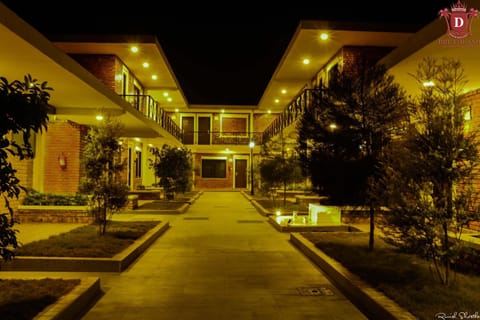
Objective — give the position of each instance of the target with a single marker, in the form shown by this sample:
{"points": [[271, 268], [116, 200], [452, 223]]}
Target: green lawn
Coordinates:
{"points": [[24, 299], [405, 278], [85, 241]]}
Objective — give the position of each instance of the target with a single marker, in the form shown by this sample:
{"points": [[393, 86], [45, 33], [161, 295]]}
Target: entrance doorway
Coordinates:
{"points": [[240, 173]]}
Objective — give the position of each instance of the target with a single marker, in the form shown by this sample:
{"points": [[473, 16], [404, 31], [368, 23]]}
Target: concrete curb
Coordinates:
{"points": [[74, 303], [117, 263], [372, 302]]}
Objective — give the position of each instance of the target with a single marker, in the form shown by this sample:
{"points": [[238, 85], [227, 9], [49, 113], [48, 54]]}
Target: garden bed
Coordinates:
{"points": [[406, 279], [82, 249]]}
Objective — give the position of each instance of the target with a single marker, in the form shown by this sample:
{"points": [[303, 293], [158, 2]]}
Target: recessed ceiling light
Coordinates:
{"points": [[223, 111], [154, 77], [269, 111], [134, 49], [176, 110], [284, 91], [165, 94], [169, 99], [277, 100], [324, 36], [146, 64], [99, 117], [306, 61]]}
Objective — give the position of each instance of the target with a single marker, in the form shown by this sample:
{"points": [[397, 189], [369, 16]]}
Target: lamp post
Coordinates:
{"points": [[251, 145]]}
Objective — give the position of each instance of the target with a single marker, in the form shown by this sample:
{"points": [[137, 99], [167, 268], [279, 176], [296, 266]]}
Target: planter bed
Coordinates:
{"points": [[117, 263], [53, 214]]}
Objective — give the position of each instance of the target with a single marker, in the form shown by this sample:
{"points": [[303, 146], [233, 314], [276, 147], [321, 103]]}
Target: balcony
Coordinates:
{"points": [[221, 138], [152, 110], [306, 99]]}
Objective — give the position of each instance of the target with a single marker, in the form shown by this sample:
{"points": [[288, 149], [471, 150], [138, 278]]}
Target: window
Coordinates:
{"points": [[214, 168]]}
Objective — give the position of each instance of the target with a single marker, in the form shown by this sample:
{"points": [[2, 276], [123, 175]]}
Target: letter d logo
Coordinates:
{"points": [[458, 22]]}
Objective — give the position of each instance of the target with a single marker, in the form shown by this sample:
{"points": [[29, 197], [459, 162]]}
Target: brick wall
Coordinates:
{"points": [[65, 138], [102, 67]]}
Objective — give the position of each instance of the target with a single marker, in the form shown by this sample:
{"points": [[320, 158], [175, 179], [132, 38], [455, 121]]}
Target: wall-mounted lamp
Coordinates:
{"points": [[62, 161]]}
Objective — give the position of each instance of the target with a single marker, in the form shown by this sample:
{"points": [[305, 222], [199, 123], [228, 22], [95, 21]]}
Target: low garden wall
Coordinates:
{"points": [[53, 214]]}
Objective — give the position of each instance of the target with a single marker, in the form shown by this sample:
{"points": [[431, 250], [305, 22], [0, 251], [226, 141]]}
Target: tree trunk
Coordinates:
{"points": [[371, 240]]}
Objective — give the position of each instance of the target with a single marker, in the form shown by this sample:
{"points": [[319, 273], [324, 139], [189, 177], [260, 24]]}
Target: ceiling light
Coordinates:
{"points": [[169, 99], [324, 36], [176, 110], [223, 111], [306, 61], [269, 111], [429, 84], [284, 91], [99, 117], [277, 100], [134, 49], [146, 65], [165, 94], [154, 77]]}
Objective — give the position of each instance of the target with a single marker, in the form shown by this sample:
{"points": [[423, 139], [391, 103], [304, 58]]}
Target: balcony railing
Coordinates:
{"points": [[152, 110], [306, 99], [218, 138]]}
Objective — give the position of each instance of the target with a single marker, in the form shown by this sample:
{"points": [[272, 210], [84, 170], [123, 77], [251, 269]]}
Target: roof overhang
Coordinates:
{"points": [[77, 95], [291, 75]]}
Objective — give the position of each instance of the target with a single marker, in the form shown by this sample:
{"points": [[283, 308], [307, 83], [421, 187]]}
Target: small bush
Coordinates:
{"points": [[35, 198]]}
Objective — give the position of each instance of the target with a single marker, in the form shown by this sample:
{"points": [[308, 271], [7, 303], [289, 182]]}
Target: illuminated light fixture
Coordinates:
{"points": [[120, 143], [134, 49], [269, 111], [150, 145], [154, 77], [277, 100], [119, 77], [223, 111], [176, 110], [137, 139], [284, 91], [429, 84], [306, 61], [99, 117], [137, 148], [332, 126], [324, 36], [165, 94], [278, 213], [169, 99], [146, 64]]}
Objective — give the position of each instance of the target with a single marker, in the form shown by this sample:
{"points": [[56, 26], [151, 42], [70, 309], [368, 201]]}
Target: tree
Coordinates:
{"points": [[430, 176], [23, 111], [173, 165], [279, 167], [102, 180], [342, 140]]}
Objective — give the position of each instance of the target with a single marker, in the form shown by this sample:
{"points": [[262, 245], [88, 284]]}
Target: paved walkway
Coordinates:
{"points": [[220, 260]]}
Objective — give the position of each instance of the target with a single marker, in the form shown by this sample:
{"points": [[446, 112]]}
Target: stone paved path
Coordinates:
{"points": [[221, 260]]}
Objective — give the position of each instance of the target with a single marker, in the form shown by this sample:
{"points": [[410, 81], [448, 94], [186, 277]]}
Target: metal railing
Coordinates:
{"points": [[223, 137], [150, 108], [306, 99]]}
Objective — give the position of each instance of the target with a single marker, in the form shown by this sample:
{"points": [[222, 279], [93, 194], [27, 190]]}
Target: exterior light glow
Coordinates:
{"points": [[333, 126], [99, 117], [306, 61], [137, 139], [278, 213], [324, 36], [277, 100], [429, 84], [169, 99], [176, 110], [223, 111], [146, 64], [134, 49], [154, 77], [284, 91], [269, 111]]}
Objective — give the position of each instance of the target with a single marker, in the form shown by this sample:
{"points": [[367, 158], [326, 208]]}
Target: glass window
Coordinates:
{"points": [[214, 168]]}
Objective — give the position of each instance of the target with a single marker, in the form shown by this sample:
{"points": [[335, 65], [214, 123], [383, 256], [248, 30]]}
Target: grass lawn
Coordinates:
{"points": [[86, 242], [24, 299], [405, 278]]}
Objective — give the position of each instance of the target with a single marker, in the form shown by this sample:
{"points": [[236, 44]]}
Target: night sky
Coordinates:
{"points": [[220, 54]]}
